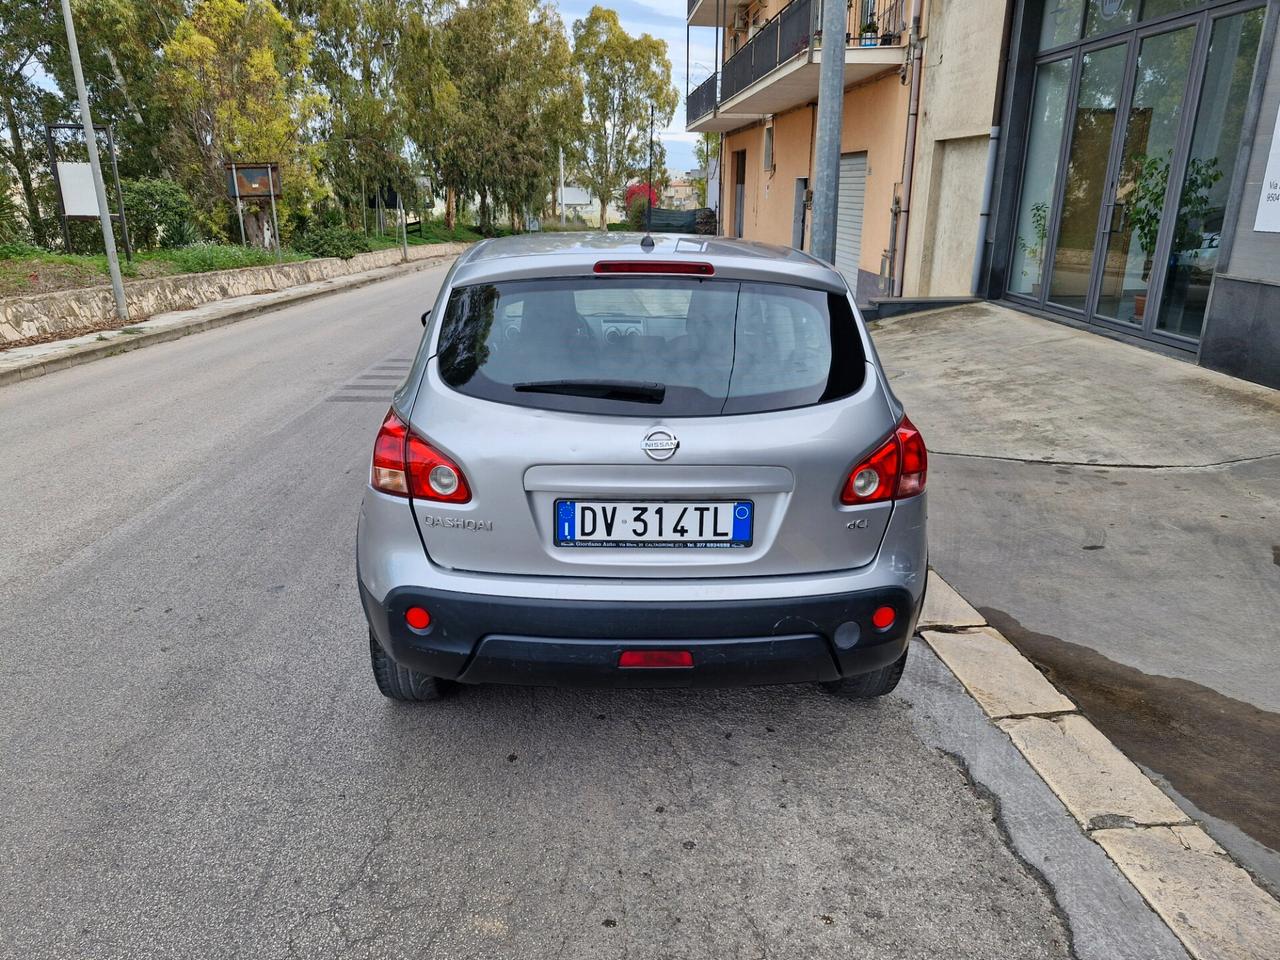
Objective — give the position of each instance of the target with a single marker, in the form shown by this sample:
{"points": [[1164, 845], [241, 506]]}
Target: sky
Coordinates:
{"points": [[664, 19]]}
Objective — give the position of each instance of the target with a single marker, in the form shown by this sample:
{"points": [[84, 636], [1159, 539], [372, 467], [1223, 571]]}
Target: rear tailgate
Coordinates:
{"points": [[521, 462]]}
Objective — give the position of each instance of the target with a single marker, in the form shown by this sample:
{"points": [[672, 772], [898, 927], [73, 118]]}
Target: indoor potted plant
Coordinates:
{"points": [[1150, 183], [1034, 248]]}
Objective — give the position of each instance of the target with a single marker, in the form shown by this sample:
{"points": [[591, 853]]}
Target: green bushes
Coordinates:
{"points": [[18, 250], [160, 214], [203, 257], [332, 241]]}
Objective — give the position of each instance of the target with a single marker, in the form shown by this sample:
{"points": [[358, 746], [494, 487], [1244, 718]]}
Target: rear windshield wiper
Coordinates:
{"points": [[636, 391]]}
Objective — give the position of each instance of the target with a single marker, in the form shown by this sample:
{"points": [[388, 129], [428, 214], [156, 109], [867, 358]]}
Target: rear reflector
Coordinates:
{"points": [[655, 266], [418, 618], [883, 617], [655, 659]]}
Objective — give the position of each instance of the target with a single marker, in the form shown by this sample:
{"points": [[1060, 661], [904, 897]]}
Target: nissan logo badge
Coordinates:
{"points": [[660, 444]]}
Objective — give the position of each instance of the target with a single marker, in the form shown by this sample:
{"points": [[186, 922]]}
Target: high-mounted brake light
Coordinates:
{"points": [[896, 469], [405, 465], [655, 266]]}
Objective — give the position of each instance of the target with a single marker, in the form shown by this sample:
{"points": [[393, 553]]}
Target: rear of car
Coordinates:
{"points": [[668, 463]]}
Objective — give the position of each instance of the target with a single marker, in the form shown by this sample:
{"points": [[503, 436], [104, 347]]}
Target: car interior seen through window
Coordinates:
{"points": [[640, 346]]}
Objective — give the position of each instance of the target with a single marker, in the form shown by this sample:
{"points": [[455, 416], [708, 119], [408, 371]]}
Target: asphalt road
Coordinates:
{"points": [[194, 761]]}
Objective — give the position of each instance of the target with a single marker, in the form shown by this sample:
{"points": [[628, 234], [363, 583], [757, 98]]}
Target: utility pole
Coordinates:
{"points": [[95, 165], [562, 219], [826, 158]]}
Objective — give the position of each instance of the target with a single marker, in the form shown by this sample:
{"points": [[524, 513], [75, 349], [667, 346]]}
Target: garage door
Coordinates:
{"points": [[853, 187]]}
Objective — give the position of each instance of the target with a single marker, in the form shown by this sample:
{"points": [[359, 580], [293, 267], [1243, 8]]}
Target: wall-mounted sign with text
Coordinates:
{"points": [[1268, 218]]}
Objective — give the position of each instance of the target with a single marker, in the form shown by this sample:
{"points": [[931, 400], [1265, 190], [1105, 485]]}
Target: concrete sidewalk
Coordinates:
{"points": [[25, 363], [1115, 514]]}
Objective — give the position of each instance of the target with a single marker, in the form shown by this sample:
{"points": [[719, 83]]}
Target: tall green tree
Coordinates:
{"points": [[623, 78], [26, 41], [513, 101], [237, 82], [366, 54]]}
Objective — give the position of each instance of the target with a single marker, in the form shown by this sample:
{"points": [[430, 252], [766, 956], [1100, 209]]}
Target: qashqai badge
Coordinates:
{"points": [[660, 444]]}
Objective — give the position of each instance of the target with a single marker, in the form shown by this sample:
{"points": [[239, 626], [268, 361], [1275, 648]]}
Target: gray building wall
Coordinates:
{"points": [[1242, 323]]}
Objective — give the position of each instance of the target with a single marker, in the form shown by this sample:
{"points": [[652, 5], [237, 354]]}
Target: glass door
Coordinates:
{"points": [[1205, 177], [1135, 121], [1134, 213], [1087, 186]]}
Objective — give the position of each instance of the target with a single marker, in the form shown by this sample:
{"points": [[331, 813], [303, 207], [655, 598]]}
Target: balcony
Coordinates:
{"points": [[701, 101], [702, 13], [777, 69]]}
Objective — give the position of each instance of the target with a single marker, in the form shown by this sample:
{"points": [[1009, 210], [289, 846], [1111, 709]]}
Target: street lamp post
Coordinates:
{"points": [[95, 166]]}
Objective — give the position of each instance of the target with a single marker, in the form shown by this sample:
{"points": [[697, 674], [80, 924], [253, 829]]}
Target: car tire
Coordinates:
{"points": [[397, 683], [866, 686]]}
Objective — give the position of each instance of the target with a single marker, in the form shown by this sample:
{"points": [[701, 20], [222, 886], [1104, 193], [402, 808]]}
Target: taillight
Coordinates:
{"points": [[407, 466], [896, 469], [915, 460]]}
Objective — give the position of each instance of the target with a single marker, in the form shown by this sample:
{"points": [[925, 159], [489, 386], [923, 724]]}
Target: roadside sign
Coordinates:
{"points": [[252, 181], [79, 197]]}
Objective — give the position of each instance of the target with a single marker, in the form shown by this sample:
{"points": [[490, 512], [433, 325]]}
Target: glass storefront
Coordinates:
{"points": [[1133, 128]]}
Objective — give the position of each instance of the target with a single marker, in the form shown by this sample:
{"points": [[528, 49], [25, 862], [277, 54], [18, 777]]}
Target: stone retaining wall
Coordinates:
{"points": [[70, 312]]}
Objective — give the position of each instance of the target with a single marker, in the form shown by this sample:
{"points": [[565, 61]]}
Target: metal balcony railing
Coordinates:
{"points": [[777, 40], [791, 31], [701, 100], [888, 16]]}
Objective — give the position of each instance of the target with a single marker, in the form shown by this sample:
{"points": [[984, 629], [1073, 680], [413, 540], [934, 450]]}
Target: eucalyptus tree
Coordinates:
{"points": [[512, 103], [626, 84]]}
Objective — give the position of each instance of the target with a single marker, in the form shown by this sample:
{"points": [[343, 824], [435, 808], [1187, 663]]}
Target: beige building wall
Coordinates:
{"points": [[875, 121], [958, 90]]}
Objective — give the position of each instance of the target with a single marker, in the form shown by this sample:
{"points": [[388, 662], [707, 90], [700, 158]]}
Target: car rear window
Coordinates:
{"points": [[642, 346]]}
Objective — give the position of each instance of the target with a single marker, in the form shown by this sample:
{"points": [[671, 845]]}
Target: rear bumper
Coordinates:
{"points": [[484, 639]]}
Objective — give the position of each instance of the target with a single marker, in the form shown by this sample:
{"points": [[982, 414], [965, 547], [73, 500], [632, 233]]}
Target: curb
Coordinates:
{"points": [[1210, 903], [167, 330]]}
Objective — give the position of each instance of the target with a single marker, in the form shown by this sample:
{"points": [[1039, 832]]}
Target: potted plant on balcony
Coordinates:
{"points": [[870, 34]]}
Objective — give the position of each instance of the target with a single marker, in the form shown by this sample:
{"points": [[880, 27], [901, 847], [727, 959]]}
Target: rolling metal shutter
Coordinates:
{"points": [[853, 187]]}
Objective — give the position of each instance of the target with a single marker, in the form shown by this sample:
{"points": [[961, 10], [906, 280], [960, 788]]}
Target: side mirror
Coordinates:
{"points": [[426, 315]]}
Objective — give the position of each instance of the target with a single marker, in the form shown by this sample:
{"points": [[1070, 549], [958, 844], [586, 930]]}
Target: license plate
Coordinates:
{"points": [[653, 523]]}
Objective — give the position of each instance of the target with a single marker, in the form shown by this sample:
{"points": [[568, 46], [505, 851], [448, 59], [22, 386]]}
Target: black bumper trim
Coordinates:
{"points": [[481, 639]]}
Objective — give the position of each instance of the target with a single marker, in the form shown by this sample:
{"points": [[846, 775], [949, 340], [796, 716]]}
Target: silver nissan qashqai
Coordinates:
{"points": [[648, 462]]}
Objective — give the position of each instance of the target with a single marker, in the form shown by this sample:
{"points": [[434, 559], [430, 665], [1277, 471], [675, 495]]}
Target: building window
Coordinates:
{"points": [[768, 148]]}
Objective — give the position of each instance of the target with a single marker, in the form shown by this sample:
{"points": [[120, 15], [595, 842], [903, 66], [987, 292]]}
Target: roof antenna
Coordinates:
{"points": [[646, 242]]}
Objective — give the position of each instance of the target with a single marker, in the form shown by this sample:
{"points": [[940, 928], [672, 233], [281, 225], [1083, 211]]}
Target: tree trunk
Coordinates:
{"points": [[450, 206], [23, 166], [255, 227], [485, 225], [604, 213]]}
